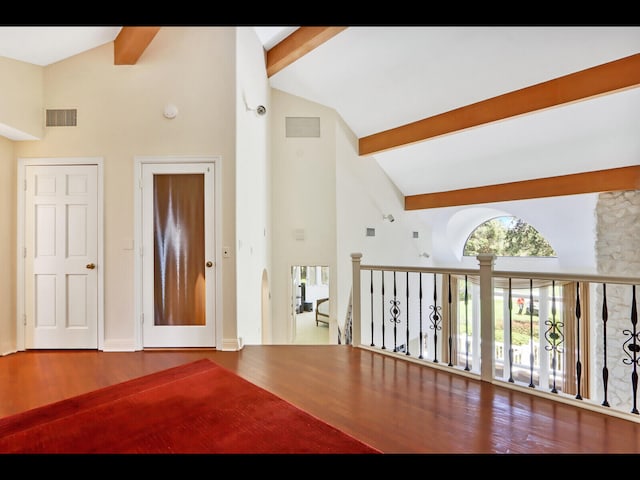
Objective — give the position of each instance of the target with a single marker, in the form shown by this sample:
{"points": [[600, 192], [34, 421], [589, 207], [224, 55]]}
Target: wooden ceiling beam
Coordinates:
{"points": [[599, 80], [296, 45], [603, 79], [623, 178], [131, 43]]}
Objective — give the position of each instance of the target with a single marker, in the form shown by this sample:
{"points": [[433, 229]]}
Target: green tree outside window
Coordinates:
{"points": [[508, 237]]}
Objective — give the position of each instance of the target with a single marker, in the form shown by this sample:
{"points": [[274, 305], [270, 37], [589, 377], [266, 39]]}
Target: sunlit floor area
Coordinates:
{"points": [[307, 333]]}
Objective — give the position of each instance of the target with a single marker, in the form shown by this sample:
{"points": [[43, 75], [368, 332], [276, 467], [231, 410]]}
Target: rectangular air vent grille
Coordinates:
{"points": [[302, 127], [62, 118]]}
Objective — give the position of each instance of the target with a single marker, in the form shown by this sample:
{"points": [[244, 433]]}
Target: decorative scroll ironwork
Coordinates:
{"points": [[631, 348], [531, 356], [450, 326], [371, 292], [552, 325], [510, 335], [395, 313], [420, 308], [435, 319], [578, 361], [605, 370], [466, 323], [554, 336]]}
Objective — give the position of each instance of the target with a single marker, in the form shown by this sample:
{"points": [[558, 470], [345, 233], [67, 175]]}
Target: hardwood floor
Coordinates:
{"points": [[393, 405]]}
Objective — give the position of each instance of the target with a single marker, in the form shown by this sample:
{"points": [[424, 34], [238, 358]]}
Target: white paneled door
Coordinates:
{"points": [[178, 255], [61, 251]]}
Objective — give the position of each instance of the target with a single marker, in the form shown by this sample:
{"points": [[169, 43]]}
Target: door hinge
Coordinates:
{"points": [[142, 318], [25, 185], [24, 319], [24, 252]]}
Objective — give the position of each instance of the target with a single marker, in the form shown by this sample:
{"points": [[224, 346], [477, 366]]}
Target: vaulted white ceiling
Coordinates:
{"points": [[44, 45], [383, 78], [380, 78]]}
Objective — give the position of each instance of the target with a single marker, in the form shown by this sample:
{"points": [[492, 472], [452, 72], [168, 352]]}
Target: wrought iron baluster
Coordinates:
{"points": [[632, 349], [510, 336], [578, 362], [531, 357], [371, 295], [450, 327], [435, 319], [605, 370], [466, 323], [395, 313], [420, 306], [407, 341], [554, 336]]}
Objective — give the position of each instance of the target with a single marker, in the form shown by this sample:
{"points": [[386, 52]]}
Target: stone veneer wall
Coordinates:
{"points": [[617, 253]]}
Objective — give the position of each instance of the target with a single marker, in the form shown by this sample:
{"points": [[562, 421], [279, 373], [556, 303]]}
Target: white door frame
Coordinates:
{"points": [[139, 161], [20, 244]]}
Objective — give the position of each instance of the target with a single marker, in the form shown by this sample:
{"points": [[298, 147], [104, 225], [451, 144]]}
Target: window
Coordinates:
{"points": [[507, 237]]}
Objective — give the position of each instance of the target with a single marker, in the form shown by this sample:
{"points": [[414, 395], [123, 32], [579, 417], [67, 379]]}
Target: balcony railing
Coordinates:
{"points": [[570, 337]]}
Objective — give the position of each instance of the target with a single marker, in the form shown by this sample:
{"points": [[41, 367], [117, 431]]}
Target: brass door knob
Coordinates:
{"points": [[91, 266], [209, 264]]}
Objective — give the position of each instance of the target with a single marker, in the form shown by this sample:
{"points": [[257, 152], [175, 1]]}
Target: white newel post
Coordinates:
{"points": [[355, 299], [487, 335]]}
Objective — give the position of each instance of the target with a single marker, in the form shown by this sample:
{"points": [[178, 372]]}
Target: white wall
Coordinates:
{"points": [[120, 116], [252, 184], [321, 186], [272, 185], [567, 222], [21, 97], [303, 198], [7, 247], [364, 194]]}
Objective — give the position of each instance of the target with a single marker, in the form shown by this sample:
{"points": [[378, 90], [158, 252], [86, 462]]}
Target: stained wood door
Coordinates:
{"points": [[178, 266]]}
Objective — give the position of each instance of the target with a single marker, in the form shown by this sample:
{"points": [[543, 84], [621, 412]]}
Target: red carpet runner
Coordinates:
{"points": [[199, 407]]}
